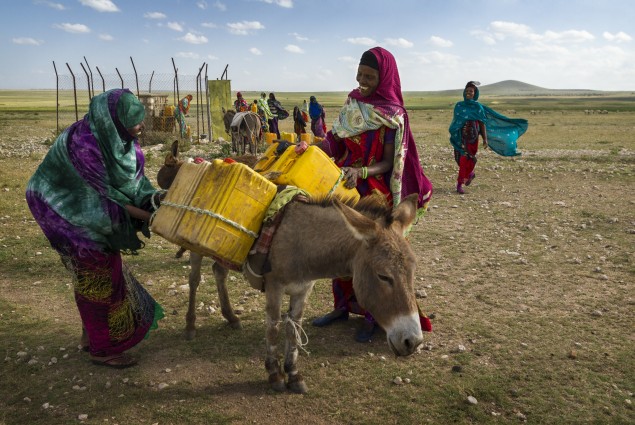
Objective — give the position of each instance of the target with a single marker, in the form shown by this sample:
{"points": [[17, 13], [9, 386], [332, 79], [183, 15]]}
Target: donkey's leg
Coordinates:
{"points": [[293, 327], [194, 280], [220, 275], [273, 305]]}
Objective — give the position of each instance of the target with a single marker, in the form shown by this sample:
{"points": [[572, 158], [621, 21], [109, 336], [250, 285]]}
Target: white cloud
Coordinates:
{"points": [[620, 37], [299, 37], [201, 4], [211, 57], [569, 36], [106, 37], [187, 55], [244, 27], [399, 42], [27, 41], [52, 5], [364, 41], [288, 4], [73, 28], [440, 42], [220, 6], [484, 37], [209, 25], [503, 29], [194, 39], [293, 48], [100, 5], [154, 15], [175, 26], [255, 51]]}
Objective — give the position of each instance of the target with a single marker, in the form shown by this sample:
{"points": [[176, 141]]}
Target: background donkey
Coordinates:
{"points": [[245, 130]]}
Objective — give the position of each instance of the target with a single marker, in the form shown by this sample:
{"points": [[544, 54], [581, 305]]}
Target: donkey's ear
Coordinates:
{"points": [[362, 227], [223, 109], [404, 215], [175, 148]]}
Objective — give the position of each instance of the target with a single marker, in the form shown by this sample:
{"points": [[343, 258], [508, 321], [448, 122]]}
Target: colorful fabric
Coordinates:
{"points": [[363, 126], [365, 150], [502, 132], [78, 197], [299, 125], [384, 107], [241, 105], [317, 114], [467, 160], [264, 106]]}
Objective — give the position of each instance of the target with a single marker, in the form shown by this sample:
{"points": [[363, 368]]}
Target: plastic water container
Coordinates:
{"points": [[289, 137], [168, 111], [215, 209], [305, 137], [270, 137], [311, 170]]}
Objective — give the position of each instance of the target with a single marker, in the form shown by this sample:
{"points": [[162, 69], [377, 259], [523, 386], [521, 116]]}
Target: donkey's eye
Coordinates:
{"points": [[385, 279]]}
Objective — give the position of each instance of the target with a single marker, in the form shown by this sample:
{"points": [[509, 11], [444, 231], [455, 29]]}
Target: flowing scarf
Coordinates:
{"points": [[384, 107], [502, 132], [94, 169]]}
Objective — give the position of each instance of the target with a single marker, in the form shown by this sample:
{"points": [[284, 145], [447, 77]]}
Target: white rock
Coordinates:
{"points": [[21, 354], [397, 380], [472, 400], [28, 400], [162, 386], [46, 406], [82, 417]]}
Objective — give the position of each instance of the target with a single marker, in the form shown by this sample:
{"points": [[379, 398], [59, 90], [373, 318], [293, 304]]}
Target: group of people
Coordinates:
{"points": [[270, 111], [312, 111], [90, 195]]}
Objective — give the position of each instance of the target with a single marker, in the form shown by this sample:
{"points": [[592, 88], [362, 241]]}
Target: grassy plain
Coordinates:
{"points": [[530, 277]]}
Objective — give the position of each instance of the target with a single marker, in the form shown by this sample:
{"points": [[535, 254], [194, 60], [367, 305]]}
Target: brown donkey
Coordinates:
{"points": [[328, 239]]}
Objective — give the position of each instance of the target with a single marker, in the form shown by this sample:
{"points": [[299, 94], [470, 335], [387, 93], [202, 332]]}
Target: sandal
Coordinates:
{"points": [[117, 361]]}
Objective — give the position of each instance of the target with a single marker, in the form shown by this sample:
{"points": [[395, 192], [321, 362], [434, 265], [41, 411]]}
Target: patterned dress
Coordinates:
{"points": [[78, 197]]}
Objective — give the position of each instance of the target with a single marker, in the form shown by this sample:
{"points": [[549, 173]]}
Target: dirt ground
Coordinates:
{"points": [[529, 278]]}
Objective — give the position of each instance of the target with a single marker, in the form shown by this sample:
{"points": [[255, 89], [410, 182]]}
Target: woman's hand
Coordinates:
{"points": [[351, 175]]}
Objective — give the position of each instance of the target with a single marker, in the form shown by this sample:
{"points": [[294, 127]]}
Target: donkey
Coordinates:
{"points": [[327, 239], [245, 129]]}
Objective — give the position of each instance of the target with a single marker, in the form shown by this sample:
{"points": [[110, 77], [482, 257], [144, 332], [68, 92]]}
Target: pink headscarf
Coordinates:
{"points": [[388, 91], [388, 99]]}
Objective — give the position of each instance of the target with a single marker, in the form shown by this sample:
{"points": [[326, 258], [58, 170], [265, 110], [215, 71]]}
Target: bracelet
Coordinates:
{"points": [[364, 173]]}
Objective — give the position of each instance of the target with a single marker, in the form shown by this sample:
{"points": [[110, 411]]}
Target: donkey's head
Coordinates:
{"points": [[228, 116], [384, 271], [170, 167]]}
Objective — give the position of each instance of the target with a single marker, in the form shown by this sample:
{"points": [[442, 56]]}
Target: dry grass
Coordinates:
{"points": [[529, 275]]}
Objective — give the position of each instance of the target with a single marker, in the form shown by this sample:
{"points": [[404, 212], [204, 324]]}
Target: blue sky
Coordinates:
{"points": [[301, 45]]}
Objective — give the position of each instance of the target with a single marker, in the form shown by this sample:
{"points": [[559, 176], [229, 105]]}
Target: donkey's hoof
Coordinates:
{"points": [[277, 383], [298, 386], [236, 325], [190, 334]]}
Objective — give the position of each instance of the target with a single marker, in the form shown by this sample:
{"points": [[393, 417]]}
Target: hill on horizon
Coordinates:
{"points": [[519, 88]]}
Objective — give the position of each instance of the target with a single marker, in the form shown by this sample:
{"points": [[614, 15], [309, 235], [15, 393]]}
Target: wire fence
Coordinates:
{"points": [[159, 93]]}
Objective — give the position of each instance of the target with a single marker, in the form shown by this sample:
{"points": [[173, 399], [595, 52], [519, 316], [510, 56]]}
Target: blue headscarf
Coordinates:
{"points": [[502, 132]]}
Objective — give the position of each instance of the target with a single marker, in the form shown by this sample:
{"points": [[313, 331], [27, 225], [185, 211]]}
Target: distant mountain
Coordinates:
{"points": [[518, 88]]}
